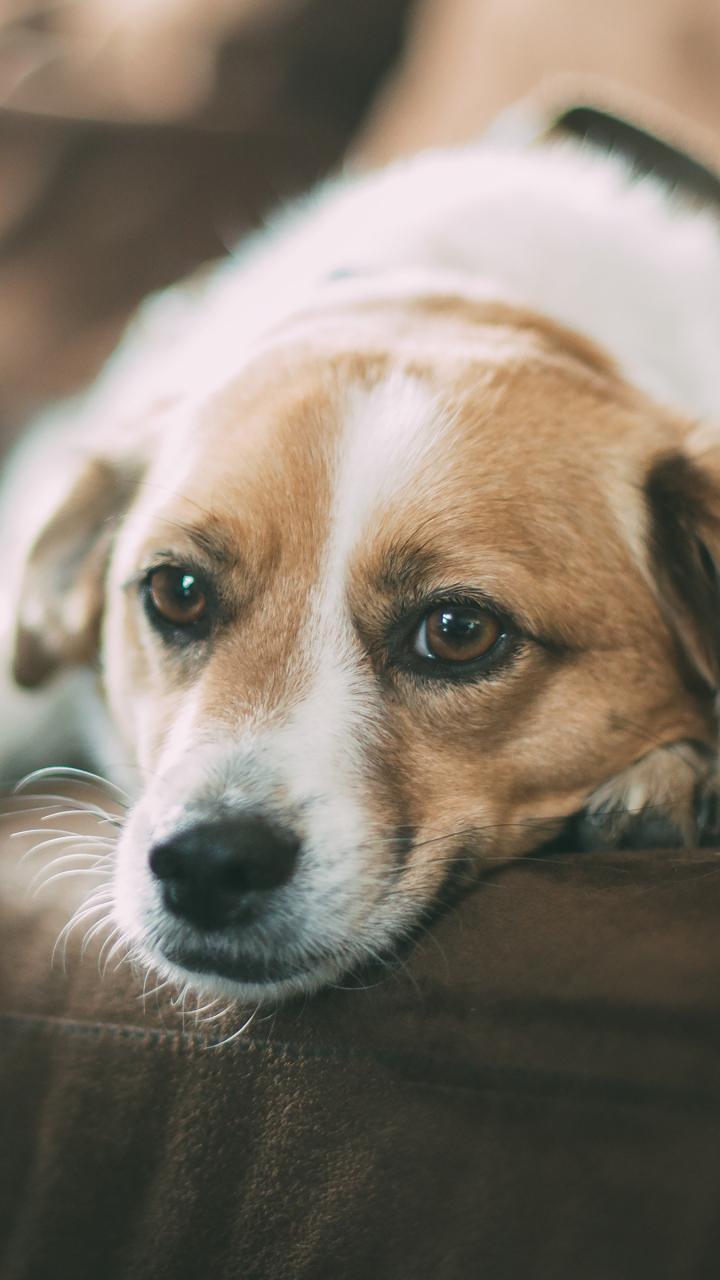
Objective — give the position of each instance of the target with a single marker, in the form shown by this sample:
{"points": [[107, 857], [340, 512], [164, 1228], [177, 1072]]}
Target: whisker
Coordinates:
{"points": [[203, 1008], [114, 950], [99, 900], [62, 831], [66, 772], [102, 965], [73, 804], [218, 1044], [109, 818], [160, 987], [40, 808], [93, 932], [215, 1016], [143, 993], [70, 859], [67, 875], [78, 842]]}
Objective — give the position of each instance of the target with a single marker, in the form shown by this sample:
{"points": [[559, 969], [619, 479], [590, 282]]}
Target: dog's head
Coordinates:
{"points": [[422, 582]]}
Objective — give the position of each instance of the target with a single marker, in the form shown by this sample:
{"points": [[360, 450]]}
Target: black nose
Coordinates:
{"points": [[216, 873]]}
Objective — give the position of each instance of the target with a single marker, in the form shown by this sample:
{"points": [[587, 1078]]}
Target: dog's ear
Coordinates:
{"points": [[61, 595], [669, 797], [683, 497]]}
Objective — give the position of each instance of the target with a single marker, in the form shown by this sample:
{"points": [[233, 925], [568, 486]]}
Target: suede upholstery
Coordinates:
{"points": [[96, 213], [535, 1093]]}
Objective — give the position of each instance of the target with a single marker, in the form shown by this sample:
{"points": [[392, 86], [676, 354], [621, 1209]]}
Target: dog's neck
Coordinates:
{"points": [[571, 233], [560, 228]]}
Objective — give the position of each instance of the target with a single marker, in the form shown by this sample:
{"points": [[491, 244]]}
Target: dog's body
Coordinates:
{"points": [[403, 573]]}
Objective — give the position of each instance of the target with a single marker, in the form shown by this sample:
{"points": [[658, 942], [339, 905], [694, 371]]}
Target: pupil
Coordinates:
{"points": [[458, 626]]}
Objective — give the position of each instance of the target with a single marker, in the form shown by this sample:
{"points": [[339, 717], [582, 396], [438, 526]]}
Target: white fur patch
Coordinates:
{"points": [[567, 233], [388, 431]]}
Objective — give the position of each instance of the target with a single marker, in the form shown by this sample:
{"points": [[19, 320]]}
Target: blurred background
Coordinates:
{"points": [[141, 138]]}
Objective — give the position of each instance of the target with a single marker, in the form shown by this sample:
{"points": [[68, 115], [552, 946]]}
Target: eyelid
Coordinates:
{"points": [[167, 560], [141, 577]]}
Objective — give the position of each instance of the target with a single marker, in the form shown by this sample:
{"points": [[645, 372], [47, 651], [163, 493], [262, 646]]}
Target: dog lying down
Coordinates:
{"points": [[388, 568]]}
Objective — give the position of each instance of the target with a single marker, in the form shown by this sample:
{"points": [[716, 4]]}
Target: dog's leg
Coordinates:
{"points": [[667, 798]]}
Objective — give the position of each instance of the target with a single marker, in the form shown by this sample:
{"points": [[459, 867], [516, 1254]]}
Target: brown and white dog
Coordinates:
{"points": [[390, 568]]}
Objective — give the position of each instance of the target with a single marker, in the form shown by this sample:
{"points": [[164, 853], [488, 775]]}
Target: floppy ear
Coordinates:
{"points": [[61, 595], [669, 797], [683, 496]]}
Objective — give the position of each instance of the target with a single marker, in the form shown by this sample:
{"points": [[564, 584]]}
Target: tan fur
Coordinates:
{"points": [[530, 492]]}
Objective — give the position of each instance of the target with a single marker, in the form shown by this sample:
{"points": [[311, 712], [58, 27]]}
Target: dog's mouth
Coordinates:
{"points": [[290, 971], [274, 955], [246, 970], [236, 901], [237, 906], [265, 952], [270, 949]]}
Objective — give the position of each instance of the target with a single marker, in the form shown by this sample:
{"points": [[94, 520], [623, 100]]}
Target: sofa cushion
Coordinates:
{"points": [[534, 1091]]}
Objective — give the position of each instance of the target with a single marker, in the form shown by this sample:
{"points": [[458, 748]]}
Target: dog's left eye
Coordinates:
{"points": [[177, 595], [457, 633]]}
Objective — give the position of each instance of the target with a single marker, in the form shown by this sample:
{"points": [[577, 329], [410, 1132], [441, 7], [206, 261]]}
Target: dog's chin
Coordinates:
{"points": [[220, 971], [241, 969]]}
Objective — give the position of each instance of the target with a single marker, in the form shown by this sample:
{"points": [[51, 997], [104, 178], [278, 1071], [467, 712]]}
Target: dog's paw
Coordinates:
{"points": [[668, 798]]}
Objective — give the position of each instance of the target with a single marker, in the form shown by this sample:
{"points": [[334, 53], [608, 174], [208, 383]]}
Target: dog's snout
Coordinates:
{"points": [[213, 872]]}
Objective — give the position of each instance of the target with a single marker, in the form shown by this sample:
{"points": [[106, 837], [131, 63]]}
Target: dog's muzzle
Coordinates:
{"points": [[220, 875]]}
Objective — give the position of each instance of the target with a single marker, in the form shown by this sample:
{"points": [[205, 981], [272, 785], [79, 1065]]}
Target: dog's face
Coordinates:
{"points": [[390, 605]]}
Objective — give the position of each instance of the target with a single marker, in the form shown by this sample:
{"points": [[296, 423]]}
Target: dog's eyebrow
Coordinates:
{"points": [[411, 575], [214, 544], [404, 566]]}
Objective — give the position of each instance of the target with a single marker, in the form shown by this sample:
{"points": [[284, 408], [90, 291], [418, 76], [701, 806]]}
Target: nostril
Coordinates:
{"points": [[214, 873], [168, 863]]}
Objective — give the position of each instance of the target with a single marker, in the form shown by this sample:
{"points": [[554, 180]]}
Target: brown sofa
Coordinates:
{"points": [[534, 1093], [95, 213]]}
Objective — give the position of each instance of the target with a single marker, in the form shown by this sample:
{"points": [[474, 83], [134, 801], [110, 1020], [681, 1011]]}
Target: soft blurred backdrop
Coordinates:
{"points": [[141, 138]]}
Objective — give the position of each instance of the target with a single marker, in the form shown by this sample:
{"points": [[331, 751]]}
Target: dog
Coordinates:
{"points": [[393, 550]]}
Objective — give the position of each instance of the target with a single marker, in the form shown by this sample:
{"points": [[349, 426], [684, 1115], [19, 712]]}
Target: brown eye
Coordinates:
{"points": [[457, 633], [176, 595]]}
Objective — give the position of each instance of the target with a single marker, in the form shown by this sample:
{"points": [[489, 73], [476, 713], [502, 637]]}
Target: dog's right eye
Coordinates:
{"points": [[176, 595]]}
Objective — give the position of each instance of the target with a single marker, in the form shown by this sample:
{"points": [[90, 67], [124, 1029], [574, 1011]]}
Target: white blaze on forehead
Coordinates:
{"points": [[401, 428], [389, 431], [321, 750], [397, 439]]}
